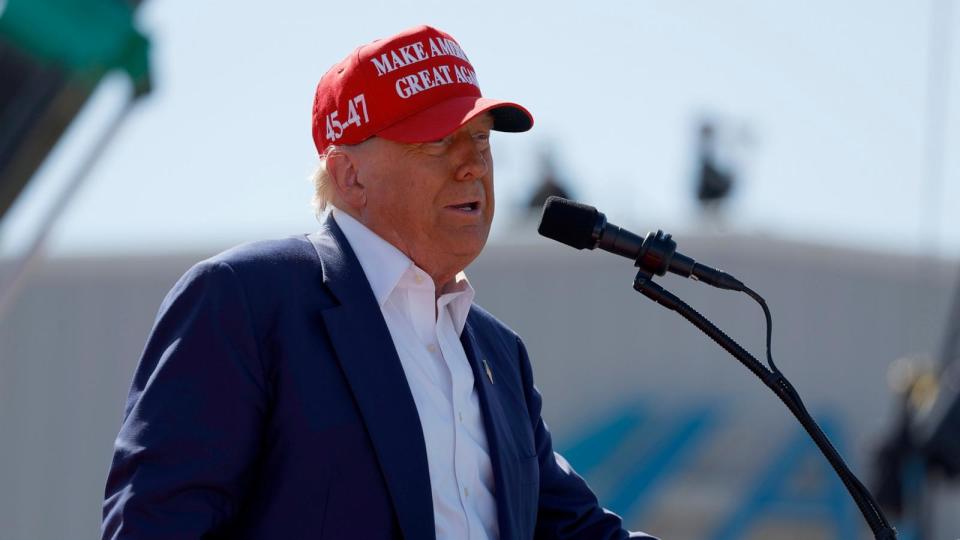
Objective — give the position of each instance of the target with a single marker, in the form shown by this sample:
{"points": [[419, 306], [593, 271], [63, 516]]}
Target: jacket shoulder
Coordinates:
{"points": [[267, 253], [271, 274]]}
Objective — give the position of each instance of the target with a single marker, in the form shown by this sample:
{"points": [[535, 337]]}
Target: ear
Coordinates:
{"points": [[344, 172]]}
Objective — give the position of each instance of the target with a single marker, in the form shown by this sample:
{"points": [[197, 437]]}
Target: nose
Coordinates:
{"points": [[471, 164]]}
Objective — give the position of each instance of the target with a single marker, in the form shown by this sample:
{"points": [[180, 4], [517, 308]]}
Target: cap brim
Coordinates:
{"points": [[446, 117]]}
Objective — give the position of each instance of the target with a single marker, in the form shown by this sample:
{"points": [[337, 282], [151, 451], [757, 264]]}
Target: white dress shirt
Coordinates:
{"points": [[426, 333]]}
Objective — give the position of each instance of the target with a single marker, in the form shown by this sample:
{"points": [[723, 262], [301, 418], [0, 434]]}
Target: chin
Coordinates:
{"points": [[467, 250], [476, 242]]}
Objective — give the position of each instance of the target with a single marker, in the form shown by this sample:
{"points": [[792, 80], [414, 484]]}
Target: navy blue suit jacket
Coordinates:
{"points": [[270, 403]]}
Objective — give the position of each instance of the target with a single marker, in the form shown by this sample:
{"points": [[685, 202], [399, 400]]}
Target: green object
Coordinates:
{"points": [[87, 37]]}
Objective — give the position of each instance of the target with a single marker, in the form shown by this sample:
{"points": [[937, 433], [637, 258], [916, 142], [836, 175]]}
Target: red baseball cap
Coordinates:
{"points": [[416, 86]]}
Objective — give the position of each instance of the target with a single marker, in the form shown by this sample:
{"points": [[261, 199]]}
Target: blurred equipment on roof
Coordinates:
{"points": [[924, 446], [718, 164], [550, 184], [714, 180]]}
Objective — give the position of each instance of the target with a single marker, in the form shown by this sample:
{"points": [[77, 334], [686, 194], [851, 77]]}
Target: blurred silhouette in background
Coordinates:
{"points": [[715, 181], [549, 184]]}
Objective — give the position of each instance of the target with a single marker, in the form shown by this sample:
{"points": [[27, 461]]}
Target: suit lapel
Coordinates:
{"points": [[497, 428], [370, 363]]}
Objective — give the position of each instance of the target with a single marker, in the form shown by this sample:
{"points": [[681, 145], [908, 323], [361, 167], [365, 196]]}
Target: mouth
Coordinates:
{"points": [[466, 207]]}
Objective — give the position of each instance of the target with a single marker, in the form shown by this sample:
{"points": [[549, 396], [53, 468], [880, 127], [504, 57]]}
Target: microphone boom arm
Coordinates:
{"points": [[780, 386]]}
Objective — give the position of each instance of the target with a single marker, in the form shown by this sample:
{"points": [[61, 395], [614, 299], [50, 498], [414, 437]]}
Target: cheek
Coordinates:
{"points": [[415, 206], [389, 203], [488, 180], [488, 185]]}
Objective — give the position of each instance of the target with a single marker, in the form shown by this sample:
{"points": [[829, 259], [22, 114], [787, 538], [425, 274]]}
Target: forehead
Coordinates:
{"points": [[484, 120]]}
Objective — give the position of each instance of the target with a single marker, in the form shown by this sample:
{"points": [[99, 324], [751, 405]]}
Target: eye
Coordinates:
{"points": [[482, 139], [436, 147]]}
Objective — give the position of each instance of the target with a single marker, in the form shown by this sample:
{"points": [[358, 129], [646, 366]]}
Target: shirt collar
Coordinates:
{"points": [[385, 265], [458, 294]]}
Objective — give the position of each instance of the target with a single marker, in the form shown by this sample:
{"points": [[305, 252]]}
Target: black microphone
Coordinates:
{"points": [[584, 227]]}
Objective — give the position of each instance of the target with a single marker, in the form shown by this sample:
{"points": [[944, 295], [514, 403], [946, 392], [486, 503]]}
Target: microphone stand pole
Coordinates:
{"points": [[784, 390]]}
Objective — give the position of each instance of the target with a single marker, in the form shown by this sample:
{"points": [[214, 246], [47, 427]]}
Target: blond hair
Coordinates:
{"points": [[323, 188]]}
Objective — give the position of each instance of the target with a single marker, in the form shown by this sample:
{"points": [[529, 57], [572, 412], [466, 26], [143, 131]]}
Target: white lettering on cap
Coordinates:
{"points": [[426, 79], [399, 57], [416, 52]]}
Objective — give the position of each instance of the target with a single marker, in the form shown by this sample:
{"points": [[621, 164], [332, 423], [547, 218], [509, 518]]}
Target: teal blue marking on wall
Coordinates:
{"points": [[671, 453], [771, 496], [595, 447], [906, 530]]}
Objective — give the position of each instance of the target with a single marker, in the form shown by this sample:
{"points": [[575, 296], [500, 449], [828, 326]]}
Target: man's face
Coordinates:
{"points": [[434, 201]]}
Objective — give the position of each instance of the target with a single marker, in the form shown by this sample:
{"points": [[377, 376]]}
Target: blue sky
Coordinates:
{"points": [[829, 100]]}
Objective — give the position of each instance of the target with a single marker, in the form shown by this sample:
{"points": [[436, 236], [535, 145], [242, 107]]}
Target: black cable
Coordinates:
{"points": [[766, 313]]}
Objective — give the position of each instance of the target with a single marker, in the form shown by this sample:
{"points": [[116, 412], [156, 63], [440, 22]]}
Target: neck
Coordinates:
{"points": [[442, 277]]}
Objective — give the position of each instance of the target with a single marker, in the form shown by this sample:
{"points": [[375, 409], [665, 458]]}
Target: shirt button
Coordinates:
{"points": [[432, 348], [418, 278], [466, 492], [461, 416]]}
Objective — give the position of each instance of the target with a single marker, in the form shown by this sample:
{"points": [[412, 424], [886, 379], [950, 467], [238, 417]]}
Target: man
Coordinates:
{"points": [[342, 384]]}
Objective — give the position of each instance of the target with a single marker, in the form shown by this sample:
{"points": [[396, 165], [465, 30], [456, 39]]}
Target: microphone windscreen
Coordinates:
{"points": [[569, 222]]}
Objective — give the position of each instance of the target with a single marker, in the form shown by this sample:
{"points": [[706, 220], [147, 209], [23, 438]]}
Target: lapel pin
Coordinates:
{"points": [[486, 367]]}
